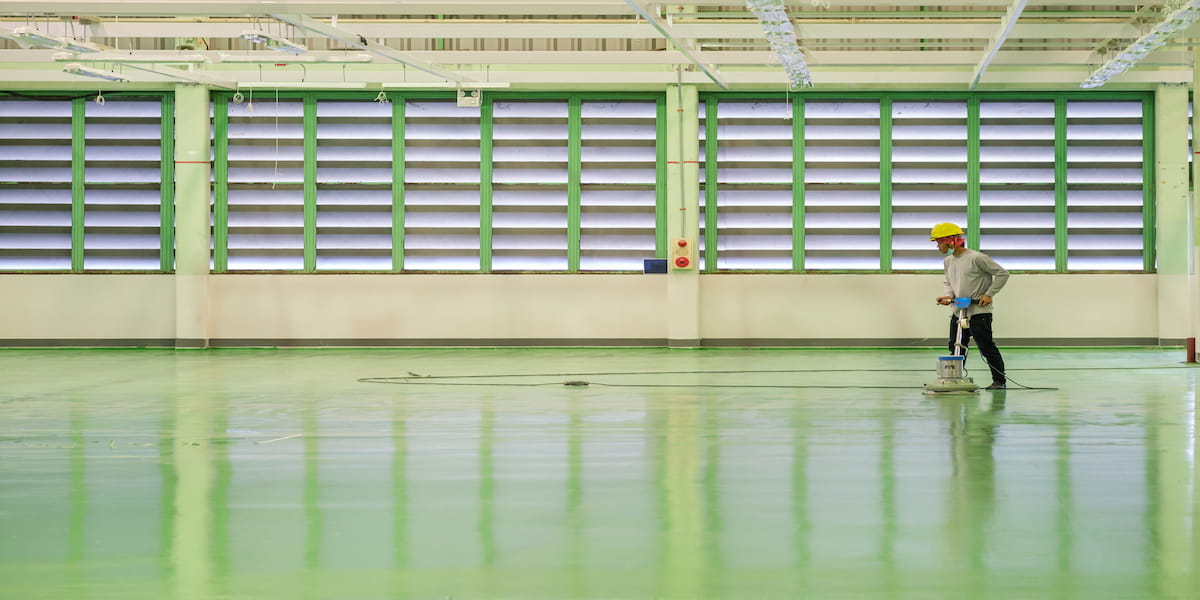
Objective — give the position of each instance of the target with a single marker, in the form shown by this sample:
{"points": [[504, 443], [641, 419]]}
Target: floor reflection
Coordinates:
{"points": [[715, 474]]}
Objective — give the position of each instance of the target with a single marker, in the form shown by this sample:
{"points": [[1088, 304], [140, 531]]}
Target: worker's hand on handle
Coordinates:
{"points": [[985, 300], [945, 300]]}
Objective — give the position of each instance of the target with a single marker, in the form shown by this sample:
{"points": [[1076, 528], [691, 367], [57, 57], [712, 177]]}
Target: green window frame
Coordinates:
{"points": [[1021, 172], [304, 184], [87, 183]]}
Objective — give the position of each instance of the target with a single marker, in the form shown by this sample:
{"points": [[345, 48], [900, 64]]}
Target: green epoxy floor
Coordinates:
{"points": [[279, 474]]}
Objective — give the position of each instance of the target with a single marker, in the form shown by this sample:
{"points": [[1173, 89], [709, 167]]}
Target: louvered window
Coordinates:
{"points": [[266, 185], [353, 186], [619, 183], [1017, 183], [442, 186], [1048, 184], [753, 187], [123, 185], [530, 157], [1105, 185], [35, 185], [842, 191], [929, 177], [83, 185]]}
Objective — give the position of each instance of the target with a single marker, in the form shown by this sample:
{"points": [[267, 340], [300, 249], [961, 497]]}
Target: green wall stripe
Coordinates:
{"points": [[798, 207], [485, 184], [1149, 189], [166, 223], [885, 185], [221, 184], [1060, 184], [78, 158], [712, 184], [310, 183], [574, 177], [398, 170]]}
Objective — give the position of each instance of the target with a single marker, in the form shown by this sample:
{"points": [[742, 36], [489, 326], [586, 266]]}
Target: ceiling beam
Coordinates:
{"points": [[1006, 27], [229, 8], [611, 29], [234, 8], [874, 78], [183, 75], [684, 46], [617, 59], [358, 40]]}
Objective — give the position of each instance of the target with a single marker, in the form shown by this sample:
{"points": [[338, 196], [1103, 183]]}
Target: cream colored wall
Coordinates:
{"points": [[1033, 308], [87, 307], [589, 309], [438, 307]]}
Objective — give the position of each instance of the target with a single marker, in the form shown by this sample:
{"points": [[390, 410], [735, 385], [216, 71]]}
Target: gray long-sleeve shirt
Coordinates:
{"points": [[973, 274]]}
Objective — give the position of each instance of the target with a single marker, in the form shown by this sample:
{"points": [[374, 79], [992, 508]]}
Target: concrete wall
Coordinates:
{"points": [[562, 309]]}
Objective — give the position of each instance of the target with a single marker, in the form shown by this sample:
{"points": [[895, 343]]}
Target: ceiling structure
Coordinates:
{"points": [[585, 44]]}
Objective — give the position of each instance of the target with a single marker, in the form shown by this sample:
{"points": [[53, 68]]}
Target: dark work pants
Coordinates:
{"points": [[981, 330]]}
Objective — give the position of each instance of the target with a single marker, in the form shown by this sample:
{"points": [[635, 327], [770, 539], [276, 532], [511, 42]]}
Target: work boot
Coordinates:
{"points": [[996, 385]]}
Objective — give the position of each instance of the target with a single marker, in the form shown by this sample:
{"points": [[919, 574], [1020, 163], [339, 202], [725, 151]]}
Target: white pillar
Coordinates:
{"points": [[1174, 246], [683, 209], [192, 193], [1194, 455]]}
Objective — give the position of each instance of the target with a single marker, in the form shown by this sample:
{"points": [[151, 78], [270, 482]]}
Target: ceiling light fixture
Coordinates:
{"points": [[78, 69], [301, 85], [274, 42], [133, 57], [1118, 62], [396, 86], [336, 57], [777, 26], [31, 36]]}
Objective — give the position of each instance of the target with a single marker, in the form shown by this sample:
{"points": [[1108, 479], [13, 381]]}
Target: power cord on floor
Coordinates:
{"points": [[1022, 386], [574, 380], [1008, 380], [428, 380]]}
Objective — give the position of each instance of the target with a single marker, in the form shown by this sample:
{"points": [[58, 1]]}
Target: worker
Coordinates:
{"points": [[971, 274]]}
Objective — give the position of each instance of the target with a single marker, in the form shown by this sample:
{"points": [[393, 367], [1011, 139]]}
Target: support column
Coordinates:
{"points": [[683, 209], [1174, 247], [1194, 505], [1193, 319], [192, 173]]}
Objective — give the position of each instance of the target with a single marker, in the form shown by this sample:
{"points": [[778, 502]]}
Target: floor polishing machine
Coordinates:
{"points": [[952, 370]]}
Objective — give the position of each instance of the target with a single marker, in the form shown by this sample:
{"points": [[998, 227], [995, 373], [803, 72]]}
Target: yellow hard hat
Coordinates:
{"points": [[942, 230]]}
